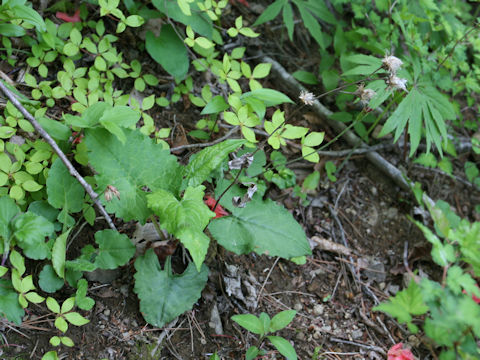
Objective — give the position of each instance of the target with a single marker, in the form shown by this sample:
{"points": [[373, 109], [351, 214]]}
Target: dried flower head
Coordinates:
{"points": [[396, 83], [238, 162], [392, 64], [307, 97], [365, 95], [110, 192]]}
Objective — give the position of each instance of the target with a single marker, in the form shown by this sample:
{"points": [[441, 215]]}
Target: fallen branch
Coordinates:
{"points": [[93, 195], [201, 145]]}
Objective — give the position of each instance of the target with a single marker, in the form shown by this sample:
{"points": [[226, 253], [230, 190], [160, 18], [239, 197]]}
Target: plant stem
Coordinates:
{"points": [[36, 125], [156, 225]]}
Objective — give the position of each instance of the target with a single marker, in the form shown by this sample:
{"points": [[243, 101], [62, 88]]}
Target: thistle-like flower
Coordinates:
{"points": [[110, 192], [392, 64], [365, 95], [238, 162], [396, 83], [307, 97]]}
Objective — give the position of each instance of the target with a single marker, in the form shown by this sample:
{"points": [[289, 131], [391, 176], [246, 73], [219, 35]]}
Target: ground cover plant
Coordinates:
{"points": [[82, 146]]}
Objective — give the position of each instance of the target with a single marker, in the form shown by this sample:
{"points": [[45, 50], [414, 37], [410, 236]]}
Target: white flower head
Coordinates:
{"points": [[307, 97], [365, 95], [238, 162], [392, 64], [396, 83]]}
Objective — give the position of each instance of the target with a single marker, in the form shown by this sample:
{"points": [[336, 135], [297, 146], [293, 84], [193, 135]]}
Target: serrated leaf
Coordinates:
{"points": [[263, 227], [9, 306], [76, 319], [30, 231], [281, 320], [58, 254], [250, 322], [405, 303], [283, 347], [63, 190], [49, 280], [207, 160], [117, 165], [115, 249], [163, 296]]}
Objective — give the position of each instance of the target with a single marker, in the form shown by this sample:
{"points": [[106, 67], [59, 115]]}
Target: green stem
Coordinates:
{"points": [[157, 227]]}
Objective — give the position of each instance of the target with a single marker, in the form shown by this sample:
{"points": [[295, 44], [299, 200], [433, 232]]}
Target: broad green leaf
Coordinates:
{"points": [[312, 25], [54, 341], [9, 306], [207, 160], [118, 165], [61, 324], [123, 116], [252, 353], [281, 320], [76, 319], [215, 106], [283, 347], [366, 64], [49, 280], [263, 227], [17, 261], [265, 319], [186, 218], [294, 132], [90, 117], [313, 139], [67, 305], [63, 190], [164, 296], [176, 62], [457, 280], [115, 249], [261, 70], [53, 305], [249, 322], [306, 77], [58, 253], [30, 16], [8, 209], [56, 129], [405, 303], [442, 253], [269, 96], [33, 297], [51, 355], [30, 231]]}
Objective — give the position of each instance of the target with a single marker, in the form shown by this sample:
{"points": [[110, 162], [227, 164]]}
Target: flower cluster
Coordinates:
{"points": [[392, 64], [307, 97], [365, 95]]}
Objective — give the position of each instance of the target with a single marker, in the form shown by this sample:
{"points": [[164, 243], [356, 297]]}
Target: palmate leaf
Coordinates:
{"points": [[163, 296], [365, 64], [263, 227], [423, 109], [130, 167]]}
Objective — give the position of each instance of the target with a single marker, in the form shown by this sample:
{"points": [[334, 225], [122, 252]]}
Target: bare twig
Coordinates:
{"points": [[266, 279], [93, 195], [201, 145], [354, 343]]}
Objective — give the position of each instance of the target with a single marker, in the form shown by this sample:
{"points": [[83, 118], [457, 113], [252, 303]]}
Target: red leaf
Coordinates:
{"points": [[219, 210], [65, 17], [244, 2], [397, 352]]}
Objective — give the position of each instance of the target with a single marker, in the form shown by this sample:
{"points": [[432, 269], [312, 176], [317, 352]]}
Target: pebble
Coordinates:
{"points": [[298, 307], [374, 191], [300, 336], [318, 309], [357, 334], [392, 213], [317, 335], [107, 312]]}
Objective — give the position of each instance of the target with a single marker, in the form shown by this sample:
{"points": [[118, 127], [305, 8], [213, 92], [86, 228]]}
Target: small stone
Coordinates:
{"points": [[298, 307], [392, 213], [374, 191], [107, 312], [357, 334], [348, 315], [318, 309], [381, 285], [326, 328], [300, 336], [317, 335]]}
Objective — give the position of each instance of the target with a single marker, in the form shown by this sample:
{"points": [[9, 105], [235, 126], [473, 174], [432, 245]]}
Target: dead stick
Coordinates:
{"points": [[93, 195]]}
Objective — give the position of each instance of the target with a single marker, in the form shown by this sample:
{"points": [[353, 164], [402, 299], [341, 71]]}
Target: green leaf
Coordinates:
{"points": [[177, 62], [56, 129], [134, 21], [261, 70], [63, 190], [311, 181], [8, 209], [442, 254], [163, 296], [261, 226], [313, 139], [9, 306], [250, 322], [457, 280], [427, 160], [118, 165], [67, 305], [366, 64], [269, 96], [81, 299], [312, 26], [76, 319], [270, 12], [58, 253], [67, 341], [61, 324], [30, 231], [207, 160], [405, 303], [30, 16], [123, 116], [283, 347], [53, 305], [54, 341], [306, 77], [49, 280], [51, 355], [281, 320], [115, 249], [252, 353], [215, 106]]}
